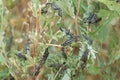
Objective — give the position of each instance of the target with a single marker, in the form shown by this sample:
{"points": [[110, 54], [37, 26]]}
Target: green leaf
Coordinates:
{"points": [[67, 7], [113, 42], [114, 57], [4, 73], [101, 33], [82, 77], [2, 59], [67, 75], [83, 6], [112, 5], [35, 7], [94, 69]]}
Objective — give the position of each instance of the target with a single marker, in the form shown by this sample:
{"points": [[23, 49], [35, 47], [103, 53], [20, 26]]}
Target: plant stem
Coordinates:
{"points": [[76, 18], [58, 72], [36, 37], [50, 44]]}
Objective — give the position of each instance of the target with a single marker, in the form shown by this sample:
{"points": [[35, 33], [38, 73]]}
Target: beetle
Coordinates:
{"points": [[53, 6], [19, 55], [84, 59], [91, 18], [89, 40], [64, 53], [41, 62], [69, 41], [44, 10]]}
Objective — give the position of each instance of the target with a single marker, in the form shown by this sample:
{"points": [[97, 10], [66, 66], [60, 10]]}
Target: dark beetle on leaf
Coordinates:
{"points": [[89, 40], [85, 55], [91, 18], [19, 55], [41, 62], [44, 11], [64, 52], [60, 13], [84, 59], [57, 8], [69, 41], [53, 6], [67, 32], [72, 37]]}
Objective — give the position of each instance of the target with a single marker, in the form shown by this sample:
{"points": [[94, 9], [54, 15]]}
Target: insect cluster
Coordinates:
{"points": [[72, 38], [27, 51], [53, 6], [86, 52], [89, 18]]}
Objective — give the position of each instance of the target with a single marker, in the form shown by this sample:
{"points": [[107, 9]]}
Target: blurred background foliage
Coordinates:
{"points": [[25, 30]]}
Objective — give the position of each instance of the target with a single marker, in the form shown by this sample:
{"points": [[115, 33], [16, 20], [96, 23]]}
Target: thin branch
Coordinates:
{"points": [[62, 66], [76, 17], [36, 37], [50, 44], [57, 73]]}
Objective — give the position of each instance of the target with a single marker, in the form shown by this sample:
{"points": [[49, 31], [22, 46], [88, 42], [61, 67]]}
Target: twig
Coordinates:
{"points": [[76, 17], [36, 36], [62, 66], [50, 44], [57, 73]]}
